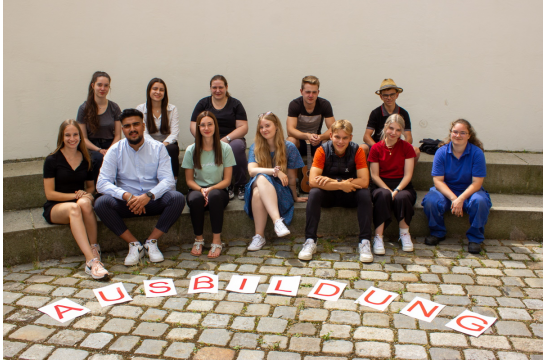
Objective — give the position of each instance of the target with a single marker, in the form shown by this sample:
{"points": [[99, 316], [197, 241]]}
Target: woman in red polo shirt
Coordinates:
{"points": [[392, 164]]}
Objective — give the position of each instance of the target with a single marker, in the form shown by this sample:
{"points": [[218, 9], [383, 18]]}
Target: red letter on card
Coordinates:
{"points": [[152, 285], [374, 303], [66, 307], [198, 280], [121, 295], [479, 327], [317, 292]]}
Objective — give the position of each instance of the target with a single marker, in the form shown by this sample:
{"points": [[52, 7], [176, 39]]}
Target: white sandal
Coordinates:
{"points": [[213, 248], [198, 244]]}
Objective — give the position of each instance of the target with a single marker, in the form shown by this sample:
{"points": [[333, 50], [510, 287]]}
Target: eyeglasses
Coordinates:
{"points": [[388, 95], [461, 133]]}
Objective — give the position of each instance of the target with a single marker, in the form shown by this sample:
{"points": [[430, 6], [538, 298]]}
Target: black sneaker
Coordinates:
{"points": [[433, 240], [240, 193], [474, 248], [231, 191]]}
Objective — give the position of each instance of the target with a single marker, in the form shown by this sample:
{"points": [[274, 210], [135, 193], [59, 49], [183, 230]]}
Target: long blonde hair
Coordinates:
{"points": [[262, 151], [81, 146]]}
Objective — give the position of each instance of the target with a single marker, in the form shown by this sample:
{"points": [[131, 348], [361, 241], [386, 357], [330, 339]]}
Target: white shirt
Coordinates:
{"points": [[136, 171], [173, 121]]}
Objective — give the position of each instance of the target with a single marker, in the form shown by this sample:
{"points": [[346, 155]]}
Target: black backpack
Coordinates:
{"points": [[429, 146]]}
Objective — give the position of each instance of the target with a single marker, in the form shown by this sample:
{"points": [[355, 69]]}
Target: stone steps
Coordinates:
{"points": [[28, 238], [508, 173]]}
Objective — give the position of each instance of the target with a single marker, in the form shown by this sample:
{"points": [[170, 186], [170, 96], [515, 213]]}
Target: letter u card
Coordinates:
{"points": [[64, 310], [284, 285], [327, 290], [376, 298], [112, 294], [422, 309], [471, 323], [243, 284], [159, 287], [203, 283]]}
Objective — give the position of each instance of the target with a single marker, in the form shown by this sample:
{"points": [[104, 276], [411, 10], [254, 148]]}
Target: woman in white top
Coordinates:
{"points": [[162, 122]]}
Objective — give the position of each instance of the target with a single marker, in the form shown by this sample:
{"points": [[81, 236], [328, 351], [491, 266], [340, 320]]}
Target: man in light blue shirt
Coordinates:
{"points": [[136, 179]]}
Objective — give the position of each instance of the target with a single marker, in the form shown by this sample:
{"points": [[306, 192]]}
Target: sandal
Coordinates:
{"points": [[198, 244], [213, 250]]}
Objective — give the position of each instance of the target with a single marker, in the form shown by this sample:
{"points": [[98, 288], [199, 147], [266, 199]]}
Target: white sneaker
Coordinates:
{"points": [[258, 242], [309, 248], [365, 251], [153, 251], [378, 245], [136, 252], [96, 269], [406, 243], [280, 228]]}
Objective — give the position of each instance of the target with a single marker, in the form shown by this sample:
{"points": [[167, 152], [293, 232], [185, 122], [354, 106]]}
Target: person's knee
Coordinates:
{"points": [[363, 195], [479, 202], [293, 140], [315, 195], [417, 152], [75, 211], [103, 202], [365, 148], [214, 196], [85, 205], [433, 200], [382, 194]]}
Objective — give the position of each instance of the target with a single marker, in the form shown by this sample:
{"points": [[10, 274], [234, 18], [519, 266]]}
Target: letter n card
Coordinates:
{"points": [[159, 287], [284, 285], [112, 294], [64, 310], [376, 298], [422, 309], [203, 283], [327, 290], [243, 284], [471, 323]]}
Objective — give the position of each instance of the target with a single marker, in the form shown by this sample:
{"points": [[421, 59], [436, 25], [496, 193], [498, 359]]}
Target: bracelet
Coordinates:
{"points": [[276, 169], [130, 197]]}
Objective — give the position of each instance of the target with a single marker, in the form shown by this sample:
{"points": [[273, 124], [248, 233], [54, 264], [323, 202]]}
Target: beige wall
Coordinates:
{"points": [[480, 60]]}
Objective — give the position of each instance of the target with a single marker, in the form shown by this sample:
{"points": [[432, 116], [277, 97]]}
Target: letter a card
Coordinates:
{"points": [[471, 323], [159, 287], [64, 310], [243, 284], [422, 309], [327, 290], [203, 283], [376, 298], [112, 294], [284, 285]]}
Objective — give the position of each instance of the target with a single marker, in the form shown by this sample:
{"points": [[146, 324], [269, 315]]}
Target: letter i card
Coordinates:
{"points": [[64, 310], [112, 294], [159, 287], [203, 283], [471, 323], [243, 284], [376, 298], [327, 290]]}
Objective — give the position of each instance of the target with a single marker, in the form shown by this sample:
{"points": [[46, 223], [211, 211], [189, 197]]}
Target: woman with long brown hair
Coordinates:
{"points": [[459, 169], [69, 188], [99, 115], [161, 120], [232, 127], [272, 164], [208, 165]]}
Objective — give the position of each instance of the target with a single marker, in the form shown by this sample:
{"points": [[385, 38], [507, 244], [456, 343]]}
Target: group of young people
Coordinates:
{"points": [[136, 176]]}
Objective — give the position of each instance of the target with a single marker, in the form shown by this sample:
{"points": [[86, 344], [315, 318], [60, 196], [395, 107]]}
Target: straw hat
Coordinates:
{"points": [[388, 84]]}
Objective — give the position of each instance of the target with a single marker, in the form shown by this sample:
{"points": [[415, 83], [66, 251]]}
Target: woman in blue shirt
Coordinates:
{"points": [[458, 171], [272, 164]]}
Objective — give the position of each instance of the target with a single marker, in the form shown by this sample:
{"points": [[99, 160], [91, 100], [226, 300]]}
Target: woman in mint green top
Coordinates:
{"points": [[208, 165]]}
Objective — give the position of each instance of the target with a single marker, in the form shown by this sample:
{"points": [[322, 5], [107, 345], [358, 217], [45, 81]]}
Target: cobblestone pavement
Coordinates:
{"points": [[505, 282]]}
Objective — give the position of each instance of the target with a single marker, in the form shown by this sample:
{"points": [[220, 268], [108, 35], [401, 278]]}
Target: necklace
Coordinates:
{"points": [[389, 148]]}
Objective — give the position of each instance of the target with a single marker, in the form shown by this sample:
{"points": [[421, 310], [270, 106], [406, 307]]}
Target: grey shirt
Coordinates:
{"points": [[107, 121]]}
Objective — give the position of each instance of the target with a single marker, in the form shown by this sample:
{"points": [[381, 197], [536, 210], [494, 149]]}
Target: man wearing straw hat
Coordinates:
{"points": [[388, 92]]}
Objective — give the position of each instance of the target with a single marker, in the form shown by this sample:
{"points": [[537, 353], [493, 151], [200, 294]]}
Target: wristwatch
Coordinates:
{"points": [[228, 138], [150, 195]]}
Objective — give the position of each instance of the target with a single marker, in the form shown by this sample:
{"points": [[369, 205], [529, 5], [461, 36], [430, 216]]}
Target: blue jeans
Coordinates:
{"points": [[477, 207]]}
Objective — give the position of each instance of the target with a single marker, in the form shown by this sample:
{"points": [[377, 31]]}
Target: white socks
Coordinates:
{"points": [[403, 231]]}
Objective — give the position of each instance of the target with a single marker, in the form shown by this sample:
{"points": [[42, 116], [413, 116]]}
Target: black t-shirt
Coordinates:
{"points": [[378, 117], [310, 123], [227, 117], [67, 181], [106, 124]]}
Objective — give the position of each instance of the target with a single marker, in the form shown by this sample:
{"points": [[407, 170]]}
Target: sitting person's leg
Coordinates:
{"points": [[269, 198], [361, 199], [403, 207], [435, 204], [76, 214], [195, 201], [317, 198], [217, 202], [477, 207], [96, 161], [241, 168], [382, 208], [259, 213], [174, 153], [417, 152]]}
